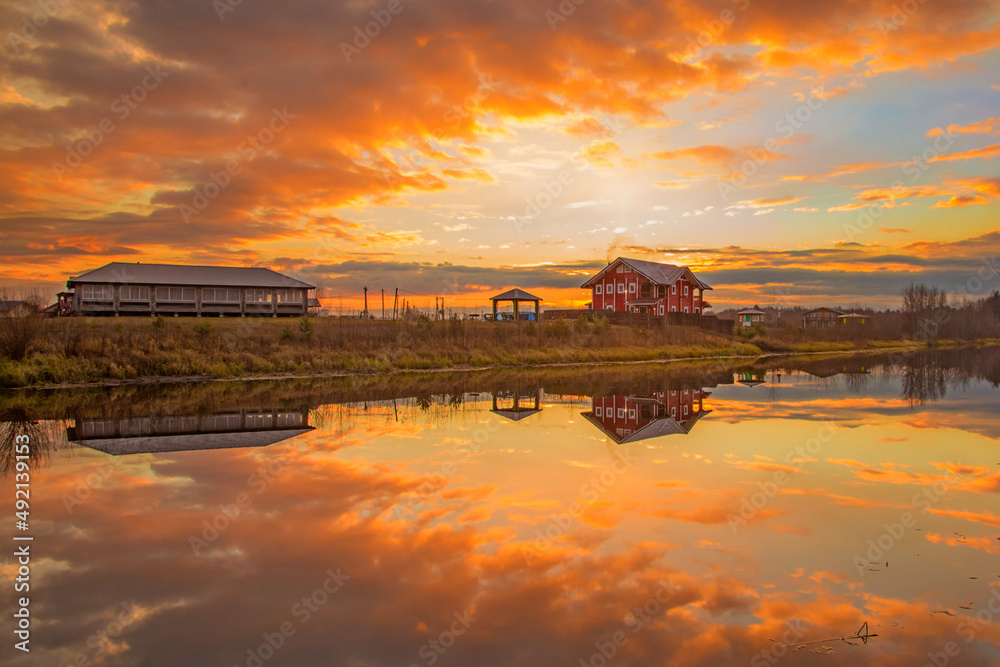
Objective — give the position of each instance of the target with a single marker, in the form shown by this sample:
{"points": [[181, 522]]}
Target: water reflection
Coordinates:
{"points": [[173, 433], [627, 418], [517, 404], [15, 422], [469, 538], [751, 377]]}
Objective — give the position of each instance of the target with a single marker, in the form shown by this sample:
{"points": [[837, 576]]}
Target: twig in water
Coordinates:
{"points": [[863, 634]]}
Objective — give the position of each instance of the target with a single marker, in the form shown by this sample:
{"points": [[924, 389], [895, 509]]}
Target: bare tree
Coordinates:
{"points": [[21, 322], [924, 307]]}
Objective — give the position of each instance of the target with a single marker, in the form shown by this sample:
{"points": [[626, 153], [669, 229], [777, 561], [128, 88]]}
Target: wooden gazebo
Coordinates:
{"points": [[516, 295]]}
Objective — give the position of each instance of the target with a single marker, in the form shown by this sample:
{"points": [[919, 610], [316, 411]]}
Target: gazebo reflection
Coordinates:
{"points": [[516, 404]]}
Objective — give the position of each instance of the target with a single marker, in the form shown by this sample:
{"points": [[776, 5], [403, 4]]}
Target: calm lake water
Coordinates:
{"points": [[637, 515]]}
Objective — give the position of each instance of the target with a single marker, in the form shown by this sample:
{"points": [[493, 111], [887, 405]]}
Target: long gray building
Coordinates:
{"points": [[121, 288]]}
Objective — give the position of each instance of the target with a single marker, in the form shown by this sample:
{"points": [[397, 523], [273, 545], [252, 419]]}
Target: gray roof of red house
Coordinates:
{"points": [[178, 274], [515, 293], [661, 274], [9, 305], [654, 429]]}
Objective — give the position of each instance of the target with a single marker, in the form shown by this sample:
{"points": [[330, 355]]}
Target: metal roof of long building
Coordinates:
{"points": [[178, 274], [152, 444]]}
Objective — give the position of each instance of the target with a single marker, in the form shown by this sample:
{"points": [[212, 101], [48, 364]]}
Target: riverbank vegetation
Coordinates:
{"points": [[80, 350]]}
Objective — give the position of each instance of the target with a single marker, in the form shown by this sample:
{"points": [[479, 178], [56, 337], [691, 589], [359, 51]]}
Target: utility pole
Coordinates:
{"points": [[364, 313], [383, 303], [395, 301]]}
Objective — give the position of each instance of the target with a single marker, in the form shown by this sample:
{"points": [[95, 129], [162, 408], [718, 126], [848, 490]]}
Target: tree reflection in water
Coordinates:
{"points": [[15, 422]]}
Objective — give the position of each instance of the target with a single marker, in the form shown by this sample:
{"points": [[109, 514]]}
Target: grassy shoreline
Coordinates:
{"points": [[148, 380], [81, 352]]}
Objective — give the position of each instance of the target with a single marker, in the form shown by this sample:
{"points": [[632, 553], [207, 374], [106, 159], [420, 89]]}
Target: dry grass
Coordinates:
{"points": [[77, 350]]}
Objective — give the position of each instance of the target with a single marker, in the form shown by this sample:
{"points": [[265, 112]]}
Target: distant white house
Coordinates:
{"points": [[750, 317], [15, 308]]}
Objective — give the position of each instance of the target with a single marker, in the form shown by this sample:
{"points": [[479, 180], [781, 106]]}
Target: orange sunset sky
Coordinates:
{"points": [[796, 153]]}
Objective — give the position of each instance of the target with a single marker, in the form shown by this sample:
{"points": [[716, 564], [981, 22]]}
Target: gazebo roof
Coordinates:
{"points": [[516, 415], [515, 293]]}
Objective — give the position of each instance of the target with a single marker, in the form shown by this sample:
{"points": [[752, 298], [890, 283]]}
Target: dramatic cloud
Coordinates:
{"points": [[988, 126], [240, 134]]}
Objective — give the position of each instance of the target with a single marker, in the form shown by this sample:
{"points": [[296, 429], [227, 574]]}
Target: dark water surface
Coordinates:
{"points": [[641, 515]]}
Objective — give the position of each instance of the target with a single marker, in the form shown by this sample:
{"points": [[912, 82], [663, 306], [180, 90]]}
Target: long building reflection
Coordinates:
{"points": [[174, 433]]}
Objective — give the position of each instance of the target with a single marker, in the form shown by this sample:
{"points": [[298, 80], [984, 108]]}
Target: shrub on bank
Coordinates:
{"points": [[75, 350]]}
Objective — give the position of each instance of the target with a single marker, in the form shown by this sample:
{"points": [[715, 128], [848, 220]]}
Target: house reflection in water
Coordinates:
{"points": [[827, 368], [231, 429], [517, 404], [628, 418], [751, 378]]}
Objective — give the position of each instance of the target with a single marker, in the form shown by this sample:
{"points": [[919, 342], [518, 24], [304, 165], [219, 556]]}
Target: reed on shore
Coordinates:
{"points": [[87, 350]]}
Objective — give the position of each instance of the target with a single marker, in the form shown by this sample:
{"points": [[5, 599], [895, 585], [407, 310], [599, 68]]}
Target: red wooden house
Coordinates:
{"points": [[634, 285]]}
